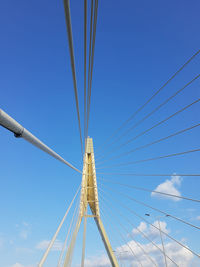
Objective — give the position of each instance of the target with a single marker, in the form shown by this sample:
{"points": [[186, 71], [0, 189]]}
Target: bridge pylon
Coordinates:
{"points": [[89, 197]]}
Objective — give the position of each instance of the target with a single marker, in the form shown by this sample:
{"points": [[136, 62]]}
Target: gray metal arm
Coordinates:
{"points": [[19, 131]]}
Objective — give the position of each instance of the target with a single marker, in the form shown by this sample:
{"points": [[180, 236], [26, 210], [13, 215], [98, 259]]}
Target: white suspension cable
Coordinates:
{"points": [[56, 233], [65, 242]]}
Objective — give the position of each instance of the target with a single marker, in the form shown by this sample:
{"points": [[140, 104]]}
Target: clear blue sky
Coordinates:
{"points": [[139, 45]]}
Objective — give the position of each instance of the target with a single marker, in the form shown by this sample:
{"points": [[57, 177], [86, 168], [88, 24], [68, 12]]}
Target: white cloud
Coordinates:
{"points": [[17, 265], [42, 245], [21, 250], [21, 265], [198, 218], [169, 187], [177, 253], [124, 255], [24, 234], [1, 242], [98, 261], [142, 227], [24, 230], [154, 233], [151, 231]]}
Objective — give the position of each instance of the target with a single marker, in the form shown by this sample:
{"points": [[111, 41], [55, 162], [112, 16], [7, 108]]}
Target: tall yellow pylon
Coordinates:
{"points": [[89, 196]]}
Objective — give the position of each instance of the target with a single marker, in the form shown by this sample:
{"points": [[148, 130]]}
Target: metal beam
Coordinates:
{"points": [[19, 131], [106, 242]]}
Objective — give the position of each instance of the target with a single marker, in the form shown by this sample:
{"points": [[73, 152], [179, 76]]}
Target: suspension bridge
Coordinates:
{"points": [[97, 198]]}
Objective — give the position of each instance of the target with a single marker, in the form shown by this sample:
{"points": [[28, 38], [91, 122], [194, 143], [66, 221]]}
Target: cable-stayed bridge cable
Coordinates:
{"points": [[148, 190], [70, 251], [57, 232], [71, 50], [84, 239], [151, 143], [147, 238], [169, 236], [156, 109], [124, 240], [151, 159], [141, 217], [137, 243], [85, 65], [89, 60], [130, 222], [149, 206], [66, 239], [148, 175], [74, 225], [155, 125], [141, 232], [91, 56], [19, 131], [150, 99]]}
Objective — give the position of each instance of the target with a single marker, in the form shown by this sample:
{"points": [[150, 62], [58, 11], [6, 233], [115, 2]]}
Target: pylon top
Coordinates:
{"points": [[89, 146]]}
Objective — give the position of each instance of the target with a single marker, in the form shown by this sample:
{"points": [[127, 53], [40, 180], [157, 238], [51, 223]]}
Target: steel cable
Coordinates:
{"points": [[152, 191], [130, 222], [85, 64], [57, 232], [147, 175], [127, 244], [92, 59], [158, 210], [89, 61], [156, 125], [144, 235], [141, 217], [137, 243], [66, 239], [91, 56], [152, 97], [151, 159], [151, 143], [155, 110], [71, 50]]}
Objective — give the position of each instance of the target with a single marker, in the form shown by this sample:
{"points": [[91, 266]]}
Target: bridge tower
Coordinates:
{"points": [[89, 197]]}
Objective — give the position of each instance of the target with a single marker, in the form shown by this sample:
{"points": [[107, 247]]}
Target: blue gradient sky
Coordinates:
{"points": [[139, 45]]}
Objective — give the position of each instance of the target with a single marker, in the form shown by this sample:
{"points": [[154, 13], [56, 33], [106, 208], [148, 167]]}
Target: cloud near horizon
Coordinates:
{"points": [[169, 187], [42, 245], [178, 254], [17, 264], [150, 231]]}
